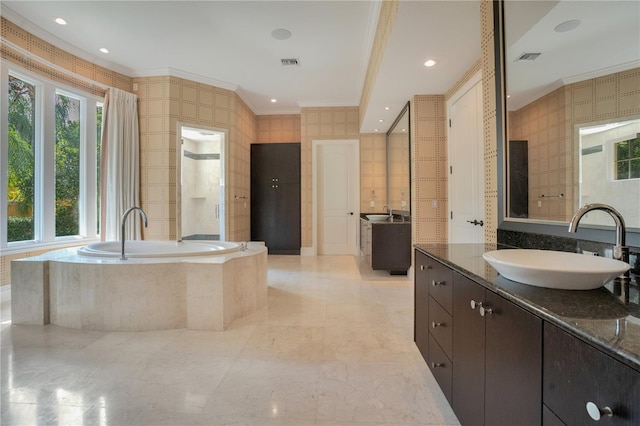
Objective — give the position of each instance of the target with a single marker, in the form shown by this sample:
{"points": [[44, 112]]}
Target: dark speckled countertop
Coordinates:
{"points": [[598, 316]]}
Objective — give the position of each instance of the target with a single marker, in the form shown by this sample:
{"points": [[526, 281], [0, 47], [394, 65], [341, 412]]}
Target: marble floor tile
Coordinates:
{"points": [[333, 347]]}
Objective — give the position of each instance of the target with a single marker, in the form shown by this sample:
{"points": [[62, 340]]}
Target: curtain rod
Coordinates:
{"points": [[30, 56]]}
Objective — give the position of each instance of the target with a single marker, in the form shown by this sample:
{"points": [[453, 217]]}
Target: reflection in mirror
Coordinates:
{"points": [[398, 163], [572, 77]]}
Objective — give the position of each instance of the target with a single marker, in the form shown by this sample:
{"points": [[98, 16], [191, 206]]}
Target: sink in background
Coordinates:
{"points": [[377, 217], [555, 269]]}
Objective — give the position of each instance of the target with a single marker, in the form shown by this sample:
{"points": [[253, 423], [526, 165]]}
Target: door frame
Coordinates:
{"points": [[466, 87], [313, 250], [224, 178]]}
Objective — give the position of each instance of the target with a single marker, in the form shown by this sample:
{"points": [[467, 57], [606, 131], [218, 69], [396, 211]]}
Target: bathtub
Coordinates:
{"points": [[155, 249], [162, 285]]}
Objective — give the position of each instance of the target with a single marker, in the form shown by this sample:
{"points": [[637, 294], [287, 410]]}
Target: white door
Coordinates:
{"points": [[466, 167], [338, 196]]}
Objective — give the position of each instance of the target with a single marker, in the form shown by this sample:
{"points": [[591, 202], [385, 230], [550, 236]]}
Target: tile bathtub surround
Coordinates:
{"points": [[331, 348]]}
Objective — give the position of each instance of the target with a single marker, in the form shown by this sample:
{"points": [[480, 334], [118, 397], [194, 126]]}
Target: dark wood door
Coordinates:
{"points": [[513, 374], [275, 196], [576, 373], [421, 303], [468, 352]]}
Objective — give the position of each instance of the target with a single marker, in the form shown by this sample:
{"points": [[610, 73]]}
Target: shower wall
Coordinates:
{"points": [[201, 189]]}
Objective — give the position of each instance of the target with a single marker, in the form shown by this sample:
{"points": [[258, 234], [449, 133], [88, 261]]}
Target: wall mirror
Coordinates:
{"points": [[399, 163], [572, 110]]}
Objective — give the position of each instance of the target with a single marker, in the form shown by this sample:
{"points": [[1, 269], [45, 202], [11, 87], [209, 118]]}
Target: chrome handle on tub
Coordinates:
{"points": [[596, 413]]}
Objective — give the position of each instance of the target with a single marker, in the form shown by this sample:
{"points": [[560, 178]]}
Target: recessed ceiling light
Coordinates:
{"points": [[60, 21], [376, 130], [281, 34], [104, 50], [381, 120], [404, 130], [430, 62], [387, 108], [273, 101], [568, 26]]}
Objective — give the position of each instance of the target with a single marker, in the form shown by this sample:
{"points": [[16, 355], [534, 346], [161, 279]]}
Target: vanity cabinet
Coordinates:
{"points": [[488, 366], [386, 245], [497, 358], [576, 373]]}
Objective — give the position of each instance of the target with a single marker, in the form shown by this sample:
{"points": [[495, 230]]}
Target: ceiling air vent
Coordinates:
{"points": [[289, 62], [528, 56]]}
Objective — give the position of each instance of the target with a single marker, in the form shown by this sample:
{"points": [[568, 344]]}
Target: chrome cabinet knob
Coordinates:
{"points": [[436, 365], [596, 413], [485, 311], [423, 267], [475, 304], [436, 283], [436, 324]]}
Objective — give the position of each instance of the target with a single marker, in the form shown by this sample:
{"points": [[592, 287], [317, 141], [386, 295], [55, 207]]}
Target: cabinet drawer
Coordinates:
{"points": [[549, 418], [440, 326], [576, 373], [440, 367], [421, 304], [441, 285]]}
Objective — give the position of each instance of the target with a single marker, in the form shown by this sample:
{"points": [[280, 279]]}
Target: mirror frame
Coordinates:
{"points": [[405, 110], [559, 229]]}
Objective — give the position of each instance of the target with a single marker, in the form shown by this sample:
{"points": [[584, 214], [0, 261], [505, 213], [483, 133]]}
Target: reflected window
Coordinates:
{"points": [[628, 159]]}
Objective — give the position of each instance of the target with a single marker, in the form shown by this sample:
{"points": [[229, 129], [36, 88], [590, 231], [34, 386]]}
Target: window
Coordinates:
{"points": [[628, 159], [21, 159], [52, 162]]}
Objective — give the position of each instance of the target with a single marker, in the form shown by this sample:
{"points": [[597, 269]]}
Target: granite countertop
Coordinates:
{"points": [[596, 316]]}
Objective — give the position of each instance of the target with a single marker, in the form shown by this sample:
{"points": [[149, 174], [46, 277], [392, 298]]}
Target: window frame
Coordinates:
{"points": [[628, 161], [44, 173]]}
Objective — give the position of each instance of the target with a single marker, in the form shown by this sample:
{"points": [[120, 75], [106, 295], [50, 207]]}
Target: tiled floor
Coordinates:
{"points": [[334, 347]]}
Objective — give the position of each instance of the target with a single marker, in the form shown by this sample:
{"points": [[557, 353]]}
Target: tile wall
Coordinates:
{"points": [[278, 128], [373, 172]]}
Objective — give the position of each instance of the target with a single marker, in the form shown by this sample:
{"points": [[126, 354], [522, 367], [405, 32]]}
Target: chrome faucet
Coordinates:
{"points": [[123, 221], [620, 251]]}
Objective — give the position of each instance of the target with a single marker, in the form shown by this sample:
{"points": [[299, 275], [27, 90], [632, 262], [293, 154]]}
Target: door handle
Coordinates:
{"points": [[350, 213], [476, 222]]}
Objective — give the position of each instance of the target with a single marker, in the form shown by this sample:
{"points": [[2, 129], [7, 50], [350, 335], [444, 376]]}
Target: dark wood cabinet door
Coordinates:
{"points": [[513, 375], [468, 386], [576, 373], [275, 197], [421, 303]]}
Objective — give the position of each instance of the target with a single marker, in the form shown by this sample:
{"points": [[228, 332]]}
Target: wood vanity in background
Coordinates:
{"points": [[386, 245]]}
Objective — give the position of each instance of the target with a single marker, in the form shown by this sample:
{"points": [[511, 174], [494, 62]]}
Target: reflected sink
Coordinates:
{"points": [[555, 269], [377, 217]]}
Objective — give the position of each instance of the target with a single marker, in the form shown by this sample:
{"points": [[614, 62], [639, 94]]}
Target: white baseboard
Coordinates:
{"points": [[308, 251]]}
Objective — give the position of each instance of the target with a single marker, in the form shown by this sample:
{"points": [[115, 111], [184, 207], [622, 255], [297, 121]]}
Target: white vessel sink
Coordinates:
{"points": [[555, 269], [377, 217]]}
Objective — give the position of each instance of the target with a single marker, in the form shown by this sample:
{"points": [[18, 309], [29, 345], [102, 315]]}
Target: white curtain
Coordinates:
{"points": [[120, 165]]}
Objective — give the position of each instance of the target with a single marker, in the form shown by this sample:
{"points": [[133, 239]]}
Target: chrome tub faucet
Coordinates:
{"points": [[123, 220]]}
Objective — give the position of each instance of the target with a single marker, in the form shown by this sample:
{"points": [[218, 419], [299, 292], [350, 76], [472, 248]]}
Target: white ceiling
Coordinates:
{"points": [[229, 44]]}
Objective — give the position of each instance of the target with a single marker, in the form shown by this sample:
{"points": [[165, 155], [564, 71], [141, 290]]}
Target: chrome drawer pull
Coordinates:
{"points": [[596, 413], [422, 267], [436, 324], [436, 283], [475, 304], [485, 311], [436, 365]]}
